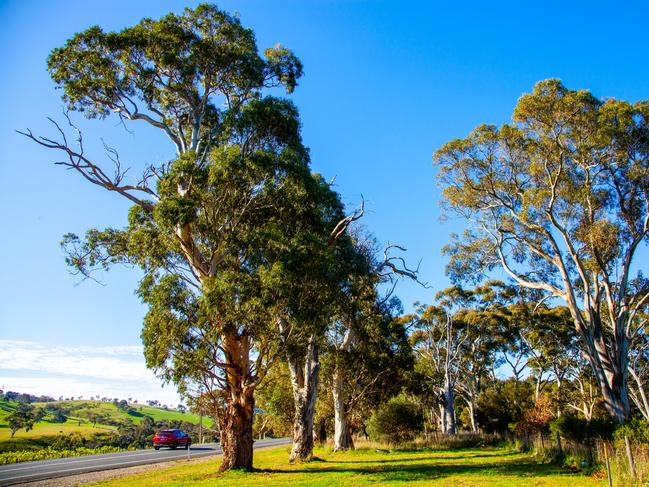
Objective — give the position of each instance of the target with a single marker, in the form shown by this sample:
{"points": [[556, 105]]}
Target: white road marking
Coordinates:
{"points": [[73, 462], [80, 469], [94, 458]]}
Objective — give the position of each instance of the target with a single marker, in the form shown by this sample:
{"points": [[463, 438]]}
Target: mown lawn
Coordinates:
{"points": [[475, 467]]}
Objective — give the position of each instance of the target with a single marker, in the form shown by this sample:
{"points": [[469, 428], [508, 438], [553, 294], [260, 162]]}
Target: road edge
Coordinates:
{"points": [[64, 480]]}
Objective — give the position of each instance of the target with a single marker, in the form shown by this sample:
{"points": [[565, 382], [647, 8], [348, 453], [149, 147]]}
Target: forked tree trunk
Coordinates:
{"points": [[304, 381], [342, 433], [611, 372], [236, 421]]}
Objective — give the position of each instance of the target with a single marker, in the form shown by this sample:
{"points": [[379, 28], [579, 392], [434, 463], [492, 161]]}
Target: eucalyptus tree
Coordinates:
{"points": [[559, 201], [439, 341], [303, 296], [553, 348], [367, 355], [208, 228], [483, 321], [367, 345]]}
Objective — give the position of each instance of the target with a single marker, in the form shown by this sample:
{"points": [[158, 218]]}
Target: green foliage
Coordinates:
{"points": [[52, 453], [583, 431], [235, 233], [502, 406], [275, 398], [637, 429], [396, 422], [97, 70], [558, 199], [23, 417], [134, 436], [70, 441], [58, 415]]}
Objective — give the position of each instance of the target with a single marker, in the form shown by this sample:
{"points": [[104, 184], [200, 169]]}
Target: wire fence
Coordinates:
{"points": [[621, 462]]}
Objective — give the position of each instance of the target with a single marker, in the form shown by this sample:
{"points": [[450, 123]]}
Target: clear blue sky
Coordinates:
{"points": [[385, 84]]}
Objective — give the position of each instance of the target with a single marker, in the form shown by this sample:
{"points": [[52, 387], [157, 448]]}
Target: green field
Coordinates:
{"points": [[474, 467], [78, 422]]}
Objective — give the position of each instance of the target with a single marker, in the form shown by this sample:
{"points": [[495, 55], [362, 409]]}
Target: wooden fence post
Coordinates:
{"points": [[629, 454], [559, 444], [608, 467]]}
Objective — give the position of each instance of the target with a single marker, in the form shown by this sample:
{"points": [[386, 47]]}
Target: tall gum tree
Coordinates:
{"points": [[367, 346], [205, 227], [559, 201], [303, 299]]}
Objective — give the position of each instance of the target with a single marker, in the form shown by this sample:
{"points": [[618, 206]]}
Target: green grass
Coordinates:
{"points": [[82, 408], [474, 467], [159, 414]]}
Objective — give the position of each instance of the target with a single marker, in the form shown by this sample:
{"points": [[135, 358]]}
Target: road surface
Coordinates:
{"points": [[16, 473]]}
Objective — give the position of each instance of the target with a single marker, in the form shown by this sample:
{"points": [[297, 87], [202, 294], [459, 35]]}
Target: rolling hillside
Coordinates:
{"points": [[85, 417]]}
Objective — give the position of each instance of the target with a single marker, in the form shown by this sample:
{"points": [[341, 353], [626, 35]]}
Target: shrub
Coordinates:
{"points": [[582, 431], [71, 441], [637, 430], [50, 453], [396, 422]]}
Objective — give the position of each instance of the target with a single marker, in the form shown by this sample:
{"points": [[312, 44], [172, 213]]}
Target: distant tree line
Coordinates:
{"points": [[24, 397]]}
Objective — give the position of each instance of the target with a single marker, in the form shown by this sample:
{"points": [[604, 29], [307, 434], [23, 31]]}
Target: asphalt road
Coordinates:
{"points": [[16, 473]]}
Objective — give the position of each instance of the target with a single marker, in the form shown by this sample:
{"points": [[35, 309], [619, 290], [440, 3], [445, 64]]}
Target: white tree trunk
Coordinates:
{"points": [[638, 395], [442, 418], [471, 406], [342, 436], [449, 407], [304, 381], [611, 372]]}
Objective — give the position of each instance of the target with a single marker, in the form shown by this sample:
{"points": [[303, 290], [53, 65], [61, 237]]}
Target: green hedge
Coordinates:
{"points": [[50, 453]]}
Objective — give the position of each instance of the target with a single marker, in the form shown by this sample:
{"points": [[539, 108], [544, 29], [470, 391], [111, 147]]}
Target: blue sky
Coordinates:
{"points": [[385, 84]]}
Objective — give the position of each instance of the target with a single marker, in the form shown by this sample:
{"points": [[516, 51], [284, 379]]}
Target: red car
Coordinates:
{"points": [[171, 438]]}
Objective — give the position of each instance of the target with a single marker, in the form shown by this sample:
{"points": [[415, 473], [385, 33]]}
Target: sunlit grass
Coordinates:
{"points": [[475, 467]]}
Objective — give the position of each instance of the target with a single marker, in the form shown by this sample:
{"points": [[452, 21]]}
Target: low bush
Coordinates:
{"points": [[637, 430], [582, 431], [465, 440], [397, 422]]}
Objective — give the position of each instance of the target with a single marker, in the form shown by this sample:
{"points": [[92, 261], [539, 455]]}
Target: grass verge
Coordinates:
{"points": [[471, 467]]}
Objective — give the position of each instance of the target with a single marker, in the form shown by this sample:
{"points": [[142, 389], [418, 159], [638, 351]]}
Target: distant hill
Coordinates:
{"points": [[86, 417]]}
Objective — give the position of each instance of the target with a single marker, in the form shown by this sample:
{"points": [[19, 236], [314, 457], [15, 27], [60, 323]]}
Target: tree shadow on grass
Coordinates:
{"points": [[431, 457], [524, 468]]}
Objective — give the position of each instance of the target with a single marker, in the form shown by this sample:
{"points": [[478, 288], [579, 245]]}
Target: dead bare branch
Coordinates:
{"points": [[92, 172], [342, 226]]}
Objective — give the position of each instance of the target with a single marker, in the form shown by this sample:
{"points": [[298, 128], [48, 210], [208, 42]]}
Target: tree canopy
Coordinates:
{"points": [[559, 200], [227, 230]]}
